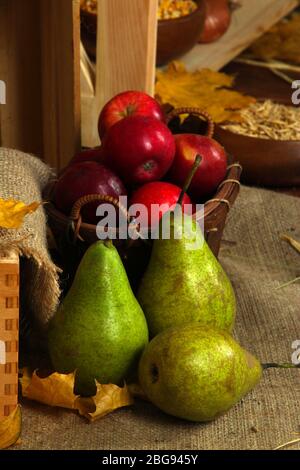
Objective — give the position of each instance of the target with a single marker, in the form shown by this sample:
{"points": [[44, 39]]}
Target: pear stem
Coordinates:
{"points": [[284, 365], [190, 176]]}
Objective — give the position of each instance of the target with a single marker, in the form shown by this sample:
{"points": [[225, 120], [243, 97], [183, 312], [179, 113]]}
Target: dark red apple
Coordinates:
{"points": [[212, 169], [87, 156], [128, 103], [82, 179], [139, 149], [161, 193]]}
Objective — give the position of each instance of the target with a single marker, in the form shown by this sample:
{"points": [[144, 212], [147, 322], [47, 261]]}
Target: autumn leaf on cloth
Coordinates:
{"points": [[54, 390], [57, 390], [10, 429], [12, 212], [211, 91], [108, 398], [280, 42]]}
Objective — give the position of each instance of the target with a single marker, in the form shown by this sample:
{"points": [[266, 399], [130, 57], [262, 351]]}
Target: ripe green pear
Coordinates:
{"points": [[99, 329], [184, 282], [196, 372]]}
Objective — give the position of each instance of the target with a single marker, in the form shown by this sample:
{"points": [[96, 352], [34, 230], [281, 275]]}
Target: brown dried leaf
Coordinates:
{"points": [[107, 399], [10, 429], [54, 390], [280, 42], [203, 89], [12, 212], [57, 390]]}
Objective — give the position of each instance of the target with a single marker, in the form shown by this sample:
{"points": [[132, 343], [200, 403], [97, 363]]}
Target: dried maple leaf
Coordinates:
{"points": [[54, 390], [203, 89], [12, 212], [57, 390], [280, 42], [10, 429], [108, 398]]}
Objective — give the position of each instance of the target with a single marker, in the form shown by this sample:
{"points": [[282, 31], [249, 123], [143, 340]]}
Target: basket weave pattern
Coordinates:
{"points": [[9, 327], [215, 209]]}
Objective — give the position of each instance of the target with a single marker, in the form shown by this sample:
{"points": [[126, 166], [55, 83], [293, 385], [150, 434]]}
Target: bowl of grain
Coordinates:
{"points": [[179, 28], [180, 24], [266, 143]]}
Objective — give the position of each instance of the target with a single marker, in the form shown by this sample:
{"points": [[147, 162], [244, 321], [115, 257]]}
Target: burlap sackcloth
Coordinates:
{"points": [[23, 177], [268, 322]]}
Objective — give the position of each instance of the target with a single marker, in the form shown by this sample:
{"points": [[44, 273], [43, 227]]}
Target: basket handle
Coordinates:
{"points": [[196, 111], [75, 215]]}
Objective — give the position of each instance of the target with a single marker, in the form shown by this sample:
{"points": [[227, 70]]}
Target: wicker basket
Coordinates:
{"points": [[74, 229], [9, 334]]}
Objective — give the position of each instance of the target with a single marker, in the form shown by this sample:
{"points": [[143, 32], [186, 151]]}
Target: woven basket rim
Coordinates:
{"points": [[213, 208]]}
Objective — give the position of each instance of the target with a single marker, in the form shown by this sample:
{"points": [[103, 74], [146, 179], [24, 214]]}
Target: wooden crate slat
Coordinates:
{"points": [[11, 313], [20, 119], [7, 291], [10, 268], [248, 23], [8, 400], [126, 52], [40, 65], [60, 52], [10, 338]]}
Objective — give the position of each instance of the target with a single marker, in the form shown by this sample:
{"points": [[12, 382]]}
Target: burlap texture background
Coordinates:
{"points": [[23, 177], [268, 322]]}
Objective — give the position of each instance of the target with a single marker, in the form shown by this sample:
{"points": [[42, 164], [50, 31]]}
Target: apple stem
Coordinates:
{"points": [[190, 176]]}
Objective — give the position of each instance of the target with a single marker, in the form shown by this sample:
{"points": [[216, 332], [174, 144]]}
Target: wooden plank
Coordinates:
{"points": [[126, 51], [20, 119], [248, 23], [60, 52]]}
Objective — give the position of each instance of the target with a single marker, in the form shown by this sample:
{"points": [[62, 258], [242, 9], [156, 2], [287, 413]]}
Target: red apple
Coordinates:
{"points": [[161, 193], [82, 179], [212, 169], [87, 156], [139, 149], [128, 103]]}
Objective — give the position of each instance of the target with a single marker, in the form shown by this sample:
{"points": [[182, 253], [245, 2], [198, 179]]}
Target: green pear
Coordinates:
{"points": [[99, 329], [196, 372], [184, 282]]}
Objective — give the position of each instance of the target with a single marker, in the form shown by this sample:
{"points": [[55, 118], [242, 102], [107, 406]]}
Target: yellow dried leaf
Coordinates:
{"points": [[280, 42], [108, 398], [211, 91], [10, 429], [12, 212], [57, 390], [54, 390]]}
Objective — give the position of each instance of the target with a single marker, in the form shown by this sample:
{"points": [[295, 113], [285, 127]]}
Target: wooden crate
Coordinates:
{"points": [[126, 56], [9, 334], [47, 109], [40, 66]]}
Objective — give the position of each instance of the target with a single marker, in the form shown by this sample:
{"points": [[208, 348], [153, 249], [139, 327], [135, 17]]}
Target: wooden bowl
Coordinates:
{"points": [[265, 162], [177, 36], [174, 36]]}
